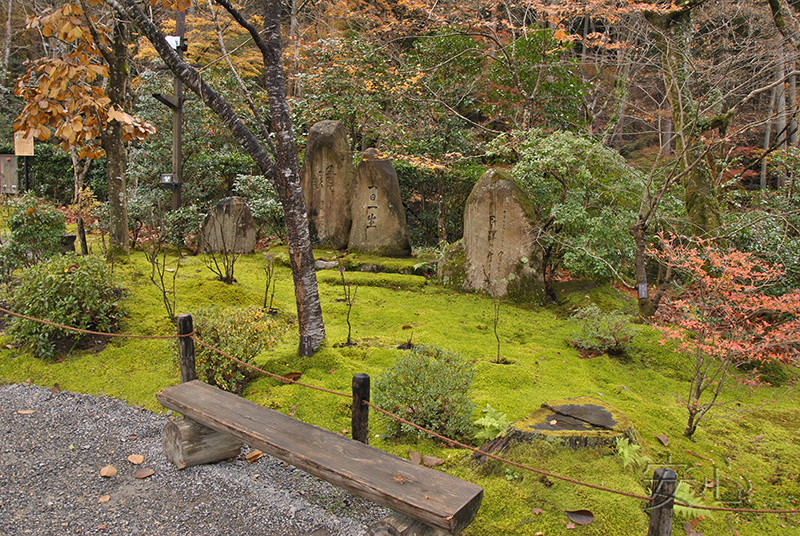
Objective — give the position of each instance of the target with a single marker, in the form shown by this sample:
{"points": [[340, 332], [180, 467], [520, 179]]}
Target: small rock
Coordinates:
{"points": [[325, 265], [432, 461]]}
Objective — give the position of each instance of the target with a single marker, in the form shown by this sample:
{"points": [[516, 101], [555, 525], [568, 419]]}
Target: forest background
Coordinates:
{"points": [[699, 97]]}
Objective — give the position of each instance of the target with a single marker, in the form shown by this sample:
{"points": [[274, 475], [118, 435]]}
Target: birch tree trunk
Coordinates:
{"points": [[6, 42]]}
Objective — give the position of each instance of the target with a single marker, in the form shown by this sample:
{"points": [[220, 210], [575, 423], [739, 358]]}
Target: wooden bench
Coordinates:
{"points": [[431, 497]]}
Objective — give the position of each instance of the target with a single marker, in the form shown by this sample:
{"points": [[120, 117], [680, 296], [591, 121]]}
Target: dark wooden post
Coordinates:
{"points": [[664, 484], [186, 347], [360, 421]]}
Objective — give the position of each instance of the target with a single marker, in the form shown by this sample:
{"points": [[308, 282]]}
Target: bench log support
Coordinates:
{"points": [[431, 497], [187, 444]]}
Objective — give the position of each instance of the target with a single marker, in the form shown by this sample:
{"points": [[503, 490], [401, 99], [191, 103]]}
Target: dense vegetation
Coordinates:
{"points": [[659, 159]]}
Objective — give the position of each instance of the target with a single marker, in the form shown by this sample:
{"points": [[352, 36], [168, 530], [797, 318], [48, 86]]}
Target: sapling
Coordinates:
{"points": [[269, 272], [726, 317], [492, 285]]}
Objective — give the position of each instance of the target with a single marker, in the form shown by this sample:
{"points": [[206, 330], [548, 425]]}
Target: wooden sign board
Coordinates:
{"points": [[23, 146]]}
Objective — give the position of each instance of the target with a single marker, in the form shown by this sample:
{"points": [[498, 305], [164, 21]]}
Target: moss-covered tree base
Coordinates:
{"points": [[581, 422]]}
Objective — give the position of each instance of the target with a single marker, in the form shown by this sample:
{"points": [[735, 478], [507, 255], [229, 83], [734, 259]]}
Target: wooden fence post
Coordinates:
{"points": [[186, 347], [664, 484], [360, 420]]}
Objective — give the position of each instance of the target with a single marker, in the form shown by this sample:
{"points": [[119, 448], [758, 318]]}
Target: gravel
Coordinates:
{"points": [[54, 444]]}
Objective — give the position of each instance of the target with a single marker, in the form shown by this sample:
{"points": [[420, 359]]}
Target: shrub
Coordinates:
{"points": [[69, 289], [429, 387], [262, 198], [36, 230], [242, 332], [601, 332]]}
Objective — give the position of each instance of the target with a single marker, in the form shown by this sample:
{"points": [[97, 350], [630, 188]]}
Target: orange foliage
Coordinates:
{"points": [[726, 310], [64, 95]]}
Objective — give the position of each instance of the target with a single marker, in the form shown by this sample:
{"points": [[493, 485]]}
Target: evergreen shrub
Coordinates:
{"points": [[430, 387], [36, 228], [67, 289], [601, 332]]}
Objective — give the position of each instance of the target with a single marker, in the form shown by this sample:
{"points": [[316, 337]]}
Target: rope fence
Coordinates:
{"points": [[188, 361]]}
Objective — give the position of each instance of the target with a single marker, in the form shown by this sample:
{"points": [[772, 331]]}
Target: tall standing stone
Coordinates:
{"points": [[498, 254], [379, 219], [229, 228], [326, 178]]}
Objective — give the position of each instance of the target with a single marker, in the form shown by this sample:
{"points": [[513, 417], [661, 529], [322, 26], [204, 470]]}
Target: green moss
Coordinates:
{"points": [[757, 444], [453, 268], [388, 280]]}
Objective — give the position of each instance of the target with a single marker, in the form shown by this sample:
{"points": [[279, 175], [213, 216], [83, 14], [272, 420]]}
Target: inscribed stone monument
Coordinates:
{"points": [[326, 178], [379, 219], [498, 254], [229, 227]]}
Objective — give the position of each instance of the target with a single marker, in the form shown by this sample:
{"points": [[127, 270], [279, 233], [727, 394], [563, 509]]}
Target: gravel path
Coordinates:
{"points": [[53, 446]]}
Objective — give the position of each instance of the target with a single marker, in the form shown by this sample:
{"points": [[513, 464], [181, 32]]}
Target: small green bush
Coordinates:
{"points": [[429, 387], [242, 332], [601, 332], [36, 230], [68, 289]]}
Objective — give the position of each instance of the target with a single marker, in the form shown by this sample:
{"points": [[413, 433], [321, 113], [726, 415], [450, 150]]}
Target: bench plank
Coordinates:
{"points": [[432, 497]]}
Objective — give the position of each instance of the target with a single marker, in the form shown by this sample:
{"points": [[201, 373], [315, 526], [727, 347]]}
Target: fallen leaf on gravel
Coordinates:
{"points": [[108, 471], [253, 456], [132, 437], [104, 499], [136, 459], [26, 412], [143, 472]]}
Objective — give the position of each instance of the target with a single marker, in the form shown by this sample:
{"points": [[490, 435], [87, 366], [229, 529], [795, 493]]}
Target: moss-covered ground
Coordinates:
{"points": [[750, 459]]}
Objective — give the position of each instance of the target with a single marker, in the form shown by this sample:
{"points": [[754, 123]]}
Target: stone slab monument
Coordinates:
{"points": [[229, 228], [326, 178], [379, 219], [497, 254]]}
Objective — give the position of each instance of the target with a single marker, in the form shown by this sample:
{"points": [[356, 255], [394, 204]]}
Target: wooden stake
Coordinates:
{"points": [[664, 484], [360, 419], [186, 346]]}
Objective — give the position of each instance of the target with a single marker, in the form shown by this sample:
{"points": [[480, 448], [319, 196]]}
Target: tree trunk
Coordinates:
{"points": [[309, 309], [673, 38], [112, 141], [791, 104], [6, 43], [767, 138], [639, 232], [442, 216], [284, 174], [780, 105]]}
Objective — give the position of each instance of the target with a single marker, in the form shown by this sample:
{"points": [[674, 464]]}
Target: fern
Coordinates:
{"points": [[629, 452], [491, 424]]}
